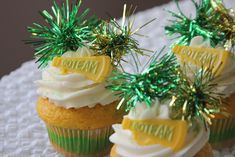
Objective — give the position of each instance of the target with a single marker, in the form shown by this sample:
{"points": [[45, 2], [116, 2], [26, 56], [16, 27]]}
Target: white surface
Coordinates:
{"points": [[22, 133]]}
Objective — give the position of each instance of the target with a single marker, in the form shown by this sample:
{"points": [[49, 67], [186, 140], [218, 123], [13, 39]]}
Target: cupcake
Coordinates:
{"points": [[169, 111], [77, 54], [223, 124], [222, 128], [195, 144], [78, 112], [210, 42]]}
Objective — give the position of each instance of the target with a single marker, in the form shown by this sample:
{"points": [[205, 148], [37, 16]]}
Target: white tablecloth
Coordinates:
{"points": [[22, 133]]}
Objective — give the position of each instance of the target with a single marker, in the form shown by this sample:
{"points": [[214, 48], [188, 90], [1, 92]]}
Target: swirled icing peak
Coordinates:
{"points": [[73, 90]]}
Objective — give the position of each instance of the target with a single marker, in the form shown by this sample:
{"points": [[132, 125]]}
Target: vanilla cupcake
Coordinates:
{"points": [[223, 124], [214, 23], [78, 112], [195, 144], [170, 110]]}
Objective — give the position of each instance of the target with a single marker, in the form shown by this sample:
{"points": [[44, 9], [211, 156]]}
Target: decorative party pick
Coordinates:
{"points": [[213, 21], [115, 40], [207, 57], [96, 68], [167, 132], [154, 82], [67, 31], [196, 96]]}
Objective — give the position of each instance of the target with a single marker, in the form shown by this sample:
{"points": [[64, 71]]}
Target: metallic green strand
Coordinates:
{"points": [[213, 21], [155, 82], [65, 31], [115, 40]]}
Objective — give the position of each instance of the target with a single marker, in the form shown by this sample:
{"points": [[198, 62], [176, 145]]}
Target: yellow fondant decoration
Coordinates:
{"points": [[169, 133], [95, 68], [207, 57]]}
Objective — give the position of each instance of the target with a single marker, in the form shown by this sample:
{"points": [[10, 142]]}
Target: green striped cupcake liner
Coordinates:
{"points": [[222, 130], [80, 142]]}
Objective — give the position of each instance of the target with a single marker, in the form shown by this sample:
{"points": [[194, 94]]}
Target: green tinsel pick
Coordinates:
{"points": [[154, 82], [66, 31], [213, 21], [196, 97], [115, 40]]}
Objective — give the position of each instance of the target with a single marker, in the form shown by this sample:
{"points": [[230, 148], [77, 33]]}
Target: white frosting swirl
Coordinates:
{"points": [[127, 147], [226, 80], [73, 90]]}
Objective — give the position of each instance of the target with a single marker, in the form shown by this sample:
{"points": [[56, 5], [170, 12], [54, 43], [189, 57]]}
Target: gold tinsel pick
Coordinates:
{"points": [[196, 97], [116, 40]]}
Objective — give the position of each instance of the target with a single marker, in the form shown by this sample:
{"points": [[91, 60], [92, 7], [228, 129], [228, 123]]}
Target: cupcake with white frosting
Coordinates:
{"points": [[169, 111], [210, 34], [223, 124], [78, 112]]}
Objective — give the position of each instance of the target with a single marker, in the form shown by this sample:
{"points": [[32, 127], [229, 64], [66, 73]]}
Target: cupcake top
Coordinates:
{"points": [[200, 52], [212, 21], [78, 53], [208, 40], [152, 123], [73, 90]]}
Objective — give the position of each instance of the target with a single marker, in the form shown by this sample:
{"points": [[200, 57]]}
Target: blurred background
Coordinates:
{"points": [[16, 15]]}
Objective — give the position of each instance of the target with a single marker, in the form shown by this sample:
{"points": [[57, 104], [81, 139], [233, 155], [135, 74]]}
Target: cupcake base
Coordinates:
{"points": [[222, 130], [84, 118], [69, 154], [206, 151], [225, 144], [80, 143], [82, 132]]}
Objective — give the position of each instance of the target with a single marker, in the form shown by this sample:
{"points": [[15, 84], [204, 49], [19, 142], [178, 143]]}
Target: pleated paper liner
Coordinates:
{"points": [[80, 143], [222, 132]]}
